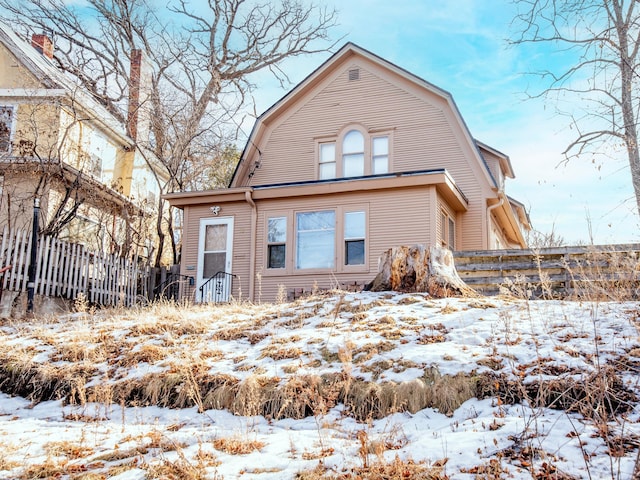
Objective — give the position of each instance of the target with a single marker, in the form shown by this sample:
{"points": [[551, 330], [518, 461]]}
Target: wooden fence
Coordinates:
{"points": [[65, 270], [560, 271]]}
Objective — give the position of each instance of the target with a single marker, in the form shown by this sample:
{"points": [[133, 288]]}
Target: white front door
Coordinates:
{"points": [[215, 251]]}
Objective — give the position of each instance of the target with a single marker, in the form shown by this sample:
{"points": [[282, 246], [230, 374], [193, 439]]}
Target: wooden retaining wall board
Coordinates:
{"points": [[561, 271]]}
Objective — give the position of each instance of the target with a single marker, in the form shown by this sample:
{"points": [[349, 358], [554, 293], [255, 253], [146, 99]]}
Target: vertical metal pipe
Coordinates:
{"points": [[31, 285]]}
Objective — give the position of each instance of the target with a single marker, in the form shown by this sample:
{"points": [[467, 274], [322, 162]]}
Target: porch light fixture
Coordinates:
{"points": [[215, 210]]}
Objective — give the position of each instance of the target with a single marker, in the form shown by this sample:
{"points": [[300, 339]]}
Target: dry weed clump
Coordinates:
{"points": [[371, 400], [79, 352], [366, 352], [180, 469], [41, 382], [145, 353], [237, 446], [605, 275], [599, 395], [281, 353], [70, 450], [396, 469], [177, 325], [5, 463]]}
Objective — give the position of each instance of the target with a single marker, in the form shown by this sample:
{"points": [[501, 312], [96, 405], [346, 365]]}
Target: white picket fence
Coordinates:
{"points": [[66, 269]]}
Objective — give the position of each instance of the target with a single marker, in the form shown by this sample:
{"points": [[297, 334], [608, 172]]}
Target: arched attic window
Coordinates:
{"points": [[353, 154]]}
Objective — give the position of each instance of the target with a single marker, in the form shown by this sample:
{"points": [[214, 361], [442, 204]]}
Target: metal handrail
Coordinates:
{"points": [[172, 279], [224, 282]]}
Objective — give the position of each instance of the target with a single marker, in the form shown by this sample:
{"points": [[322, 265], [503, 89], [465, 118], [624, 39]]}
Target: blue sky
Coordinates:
{"points": [[460, 46]]}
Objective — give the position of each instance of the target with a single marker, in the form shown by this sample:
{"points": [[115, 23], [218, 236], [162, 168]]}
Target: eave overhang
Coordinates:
{"points": [[505, 161], [92, 188], [440, 179], [222, 195], [505, 217], [101, 191]]}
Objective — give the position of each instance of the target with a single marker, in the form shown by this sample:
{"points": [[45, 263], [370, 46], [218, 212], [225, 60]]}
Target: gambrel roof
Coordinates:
{"points": [[336, 61]]}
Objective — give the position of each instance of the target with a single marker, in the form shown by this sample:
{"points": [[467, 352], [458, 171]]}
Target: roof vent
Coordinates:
{"points": [[354, 74]]}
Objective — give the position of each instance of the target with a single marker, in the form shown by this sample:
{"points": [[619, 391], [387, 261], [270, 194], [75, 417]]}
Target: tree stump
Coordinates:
{"points": [[420, 269]]}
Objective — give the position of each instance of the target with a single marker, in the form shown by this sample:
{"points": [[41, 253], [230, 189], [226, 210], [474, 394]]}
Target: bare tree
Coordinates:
{"points": [[202, 60], [537, 239], [604, 36]]}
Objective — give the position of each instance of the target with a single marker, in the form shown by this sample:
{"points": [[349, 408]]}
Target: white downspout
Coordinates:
{"points": [[252, 248], [489, 210]]}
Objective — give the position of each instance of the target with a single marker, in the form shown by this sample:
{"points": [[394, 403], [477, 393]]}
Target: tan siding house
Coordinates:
{"points": [[359, 157]]}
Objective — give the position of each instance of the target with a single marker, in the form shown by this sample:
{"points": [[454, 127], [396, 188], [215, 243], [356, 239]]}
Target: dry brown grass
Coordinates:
{"points": [[396, 469], [146, 353], [180, 469], [277, 352], [5, 463], [70, 450], [237, 446]]}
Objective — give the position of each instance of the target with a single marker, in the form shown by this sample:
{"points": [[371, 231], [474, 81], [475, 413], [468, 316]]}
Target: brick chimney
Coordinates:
{"points": [[43, 44], [138, 118]]}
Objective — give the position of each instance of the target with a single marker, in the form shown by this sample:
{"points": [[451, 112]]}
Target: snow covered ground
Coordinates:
{"points": [[531, 349]]}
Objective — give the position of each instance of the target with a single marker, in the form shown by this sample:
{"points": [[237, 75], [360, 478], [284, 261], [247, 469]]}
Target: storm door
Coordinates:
{"points": [[215, 251]]}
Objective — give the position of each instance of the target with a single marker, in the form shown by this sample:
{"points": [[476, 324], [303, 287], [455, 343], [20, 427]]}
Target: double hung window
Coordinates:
{"points": [[276, 242], [327, 160], [354, 237], [6, 124], [380, 155], [447, 231]]}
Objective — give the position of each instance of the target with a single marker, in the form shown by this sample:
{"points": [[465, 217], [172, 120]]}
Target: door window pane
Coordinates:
{"points": [[215, 238], [213, 263], [315, 239]]}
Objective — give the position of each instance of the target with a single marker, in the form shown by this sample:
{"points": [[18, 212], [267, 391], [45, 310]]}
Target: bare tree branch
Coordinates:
{"points": [[202, 60], [605, 78]]}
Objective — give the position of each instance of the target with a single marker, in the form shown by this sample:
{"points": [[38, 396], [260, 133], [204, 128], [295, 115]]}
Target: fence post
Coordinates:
{"points": [[31, 285]]}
